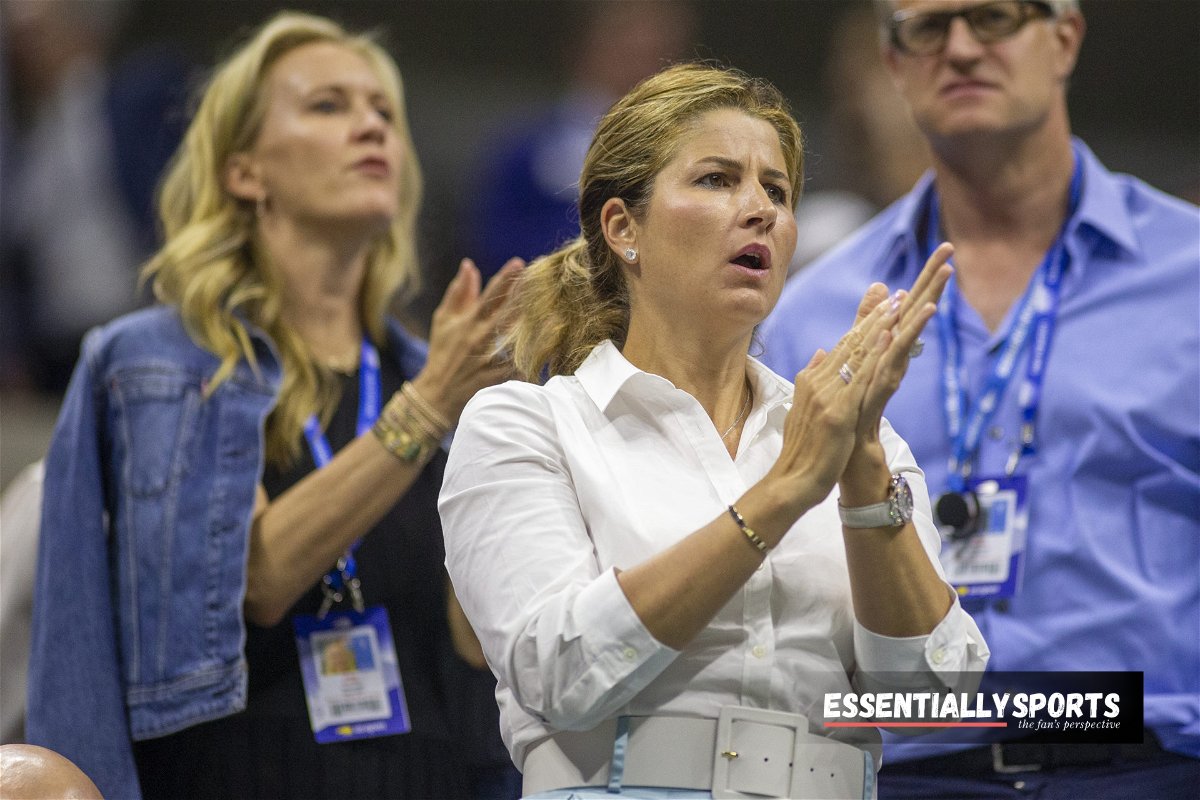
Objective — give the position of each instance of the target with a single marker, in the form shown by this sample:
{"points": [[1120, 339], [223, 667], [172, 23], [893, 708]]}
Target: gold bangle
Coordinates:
{"points": [[422, 425], [401, 410], [400, 442], [422, 406], [751, 536], [399, 437]]}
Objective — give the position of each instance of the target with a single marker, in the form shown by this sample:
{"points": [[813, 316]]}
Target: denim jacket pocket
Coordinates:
{"points": [[157, 424]]}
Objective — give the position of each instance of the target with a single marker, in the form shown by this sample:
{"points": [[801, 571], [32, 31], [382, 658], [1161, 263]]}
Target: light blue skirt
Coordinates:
{"points": [[630, 792]]}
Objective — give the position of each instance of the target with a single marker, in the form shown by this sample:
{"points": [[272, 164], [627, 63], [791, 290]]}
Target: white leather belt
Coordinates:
{"points": [[745, 752]]}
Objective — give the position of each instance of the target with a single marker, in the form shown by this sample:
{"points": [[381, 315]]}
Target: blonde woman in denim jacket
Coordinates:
{"points": [[184, 522]]}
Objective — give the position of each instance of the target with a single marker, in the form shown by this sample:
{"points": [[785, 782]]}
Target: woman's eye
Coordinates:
{"points": [[777, 193], [714, 179], [325, 106], [385, 114]]}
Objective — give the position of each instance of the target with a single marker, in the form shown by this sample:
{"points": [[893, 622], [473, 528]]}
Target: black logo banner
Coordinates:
{"points": [[1049, 707]]}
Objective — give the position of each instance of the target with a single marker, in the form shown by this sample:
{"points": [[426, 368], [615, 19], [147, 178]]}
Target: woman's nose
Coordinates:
{"points": [[759, 209]]}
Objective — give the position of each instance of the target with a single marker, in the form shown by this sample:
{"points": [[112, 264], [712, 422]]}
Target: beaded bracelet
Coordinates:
{"points": [[410, 413], [751, 536], [402, 434], [423, 407]]}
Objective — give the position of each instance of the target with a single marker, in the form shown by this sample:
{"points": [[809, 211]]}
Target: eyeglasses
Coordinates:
{"points": [[924, 33]]}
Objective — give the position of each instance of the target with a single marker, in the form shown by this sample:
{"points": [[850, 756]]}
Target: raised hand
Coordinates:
{"points": [[820, 429], [462, 357], [913, 309], [832, 430]]}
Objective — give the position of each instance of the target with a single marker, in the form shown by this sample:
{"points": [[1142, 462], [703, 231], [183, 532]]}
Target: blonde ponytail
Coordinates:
{"points": [[566, 307]]}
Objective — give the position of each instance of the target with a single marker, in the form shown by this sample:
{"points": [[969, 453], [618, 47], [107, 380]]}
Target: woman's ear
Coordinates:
{"points": [[619, 229], [241, 179]]}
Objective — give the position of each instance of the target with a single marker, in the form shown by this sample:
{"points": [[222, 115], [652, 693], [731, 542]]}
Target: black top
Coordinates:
{"points": [[269, 750]]}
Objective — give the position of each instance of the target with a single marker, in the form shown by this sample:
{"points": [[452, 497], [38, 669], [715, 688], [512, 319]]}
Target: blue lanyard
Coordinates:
{"points": [[1036, 315], [369, 394]]}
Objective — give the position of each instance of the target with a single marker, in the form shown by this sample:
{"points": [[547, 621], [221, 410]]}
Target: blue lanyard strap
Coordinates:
{"points": [[369, 400], [1036, 316]]}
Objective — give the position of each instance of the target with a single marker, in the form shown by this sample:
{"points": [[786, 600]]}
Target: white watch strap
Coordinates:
{"points": [[876, 515]]}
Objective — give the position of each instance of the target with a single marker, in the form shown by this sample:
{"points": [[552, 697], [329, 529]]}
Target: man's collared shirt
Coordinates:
{"points": [[1112, 568], [549, 489]]}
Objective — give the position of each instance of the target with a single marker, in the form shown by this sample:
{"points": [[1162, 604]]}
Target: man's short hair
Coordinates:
{"points": [[885, 8]]}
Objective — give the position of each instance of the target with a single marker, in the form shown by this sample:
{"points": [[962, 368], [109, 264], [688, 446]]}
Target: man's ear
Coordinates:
{"points": [[241, 179], [618, 226], [890, 57], [1069, 30]]}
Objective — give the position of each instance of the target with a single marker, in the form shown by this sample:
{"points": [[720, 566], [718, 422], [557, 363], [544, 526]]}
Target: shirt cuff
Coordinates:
{"points": [[618, 657], [622, 642], [952, 649]]}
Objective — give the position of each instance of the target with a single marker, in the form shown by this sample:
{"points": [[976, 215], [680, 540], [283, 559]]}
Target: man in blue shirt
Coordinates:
{"points": [[1082, 463]]}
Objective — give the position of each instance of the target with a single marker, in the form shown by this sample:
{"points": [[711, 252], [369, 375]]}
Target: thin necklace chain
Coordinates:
{"points": [[741, 414], [346, 367]]}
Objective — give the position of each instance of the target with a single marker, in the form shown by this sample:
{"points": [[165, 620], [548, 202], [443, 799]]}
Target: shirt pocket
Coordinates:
{"points": [[156, 425]]}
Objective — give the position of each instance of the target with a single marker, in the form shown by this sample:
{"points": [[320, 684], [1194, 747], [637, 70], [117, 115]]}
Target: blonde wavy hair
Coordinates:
{"points": [[212, 266], [576, 297]]}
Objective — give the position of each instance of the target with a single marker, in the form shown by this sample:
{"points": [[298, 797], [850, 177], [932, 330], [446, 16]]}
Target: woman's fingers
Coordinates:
{"points": [[500, 288], [924, 306], [463, 288], [910, 328], [929, 284], [893, 360], [939, 256], [856, 352], [462, 339], [881, 319], [466, 295], [865, 361], [865, 367], [876, 293]]}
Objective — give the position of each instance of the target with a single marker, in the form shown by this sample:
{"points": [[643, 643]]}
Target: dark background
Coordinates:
{"points": [[473, 68], [473, 65]]}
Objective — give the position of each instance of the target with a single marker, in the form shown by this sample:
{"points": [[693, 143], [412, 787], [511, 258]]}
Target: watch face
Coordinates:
{"points": [[901, 500]]}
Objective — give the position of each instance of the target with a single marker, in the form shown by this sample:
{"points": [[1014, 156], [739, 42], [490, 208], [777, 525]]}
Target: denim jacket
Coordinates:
{"points": [[149, 493]]}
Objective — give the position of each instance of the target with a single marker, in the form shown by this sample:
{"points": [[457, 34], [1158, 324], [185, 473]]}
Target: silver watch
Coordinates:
{"points": [[891, 513]]}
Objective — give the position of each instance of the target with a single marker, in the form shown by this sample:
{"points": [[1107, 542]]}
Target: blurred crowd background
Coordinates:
{"points": [[502, 95]]}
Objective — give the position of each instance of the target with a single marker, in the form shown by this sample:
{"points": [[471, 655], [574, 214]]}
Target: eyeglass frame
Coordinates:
{"points": [[1027, 16]]}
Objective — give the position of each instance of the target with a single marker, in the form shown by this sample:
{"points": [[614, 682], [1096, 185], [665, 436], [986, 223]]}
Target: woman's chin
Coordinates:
{"points": [[749, 309], [366, 221]]}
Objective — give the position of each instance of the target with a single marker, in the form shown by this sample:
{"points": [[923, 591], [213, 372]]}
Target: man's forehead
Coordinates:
{"points": [[933, 5]]}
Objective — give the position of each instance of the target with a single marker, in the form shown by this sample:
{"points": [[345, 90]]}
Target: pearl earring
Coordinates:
{"points": [[630, 254]]}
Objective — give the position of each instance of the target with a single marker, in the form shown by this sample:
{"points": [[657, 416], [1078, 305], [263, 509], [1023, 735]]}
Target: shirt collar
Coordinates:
{"points": [[771, 391], [1102, 207], [900, 245], [1101, 210], [605, 373]]}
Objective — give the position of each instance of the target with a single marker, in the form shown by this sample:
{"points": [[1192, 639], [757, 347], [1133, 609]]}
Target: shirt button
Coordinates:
{"points": [[629, 653], [759, 651], [938, 656], [996, 433]]}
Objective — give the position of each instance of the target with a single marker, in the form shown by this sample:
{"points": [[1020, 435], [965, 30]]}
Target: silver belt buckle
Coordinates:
{"points": [[999, 766], [762, 753]]}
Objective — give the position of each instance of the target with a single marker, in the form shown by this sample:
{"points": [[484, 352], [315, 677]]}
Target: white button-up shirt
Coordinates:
{"points": [[549, 488]]}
